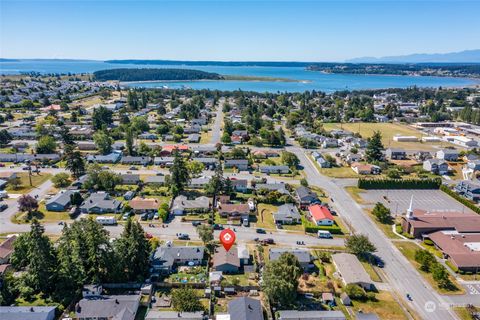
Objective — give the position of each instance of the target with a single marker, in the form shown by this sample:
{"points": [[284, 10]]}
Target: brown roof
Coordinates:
{"points": [[461, 222], [6, 247], [227, 208], [144, 204], [454, 245], [222, 256], [4, 267]]}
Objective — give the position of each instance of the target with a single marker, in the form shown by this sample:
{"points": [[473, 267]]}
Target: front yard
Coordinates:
{"points": [[25, 187]]}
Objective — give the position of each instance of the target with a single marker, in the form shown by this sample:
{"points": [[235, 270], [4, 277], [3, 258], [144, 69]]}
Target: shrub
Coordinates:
{"points": [[460, 199], [311, 227], [399, 183]]}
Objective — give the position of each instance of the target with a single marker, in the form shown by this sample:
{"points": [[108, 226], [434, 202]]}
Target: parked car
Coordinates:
{"points": [[260, 230], [133, 168], [3, 206], [217, 227], [144, 217], [183, 236], [196, 223]]}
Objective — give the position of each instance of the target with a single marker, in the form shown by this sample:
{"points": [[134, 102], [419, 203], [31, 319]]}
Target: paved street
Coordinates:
{"points": [[401, 275]]}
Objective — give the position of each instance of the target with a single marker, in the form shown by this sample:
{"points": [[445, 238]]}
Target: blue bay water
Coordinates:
{"points": [[310, 80]]}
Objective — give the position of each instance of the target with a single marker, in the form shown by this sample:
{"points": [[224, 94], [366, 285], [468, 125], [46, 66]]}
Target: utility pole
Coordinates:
{"points": [[30, 173]]}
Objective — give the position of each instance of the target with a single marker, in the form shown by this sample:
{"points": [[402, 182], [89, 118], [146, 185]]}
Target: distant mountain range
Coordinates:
{"points": [[467, 56]]}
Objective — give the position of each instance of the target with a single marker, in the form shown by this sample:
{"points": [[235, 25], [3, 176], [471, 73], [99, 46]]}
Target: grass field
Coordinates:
{"points": [[388, 130], [42, 215], [408, 249], [463, 313], [25, 182], [267, 210], [385, 307], [354, 192]]}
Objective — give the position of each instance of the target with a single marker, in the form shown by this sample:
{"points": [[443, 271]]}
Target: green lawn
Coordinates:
{"points": [[464, 314], [355, 192], [408, 249], [388, 131], [371, 271], [386, 307], [265, 216], [37, 180], [42, 215]]}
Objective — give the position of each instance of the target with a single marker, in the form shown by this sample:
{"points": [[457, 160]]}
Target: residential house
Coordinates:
{"points": [[130, 178], [209, 163], [274, 169], [100, 202], [321, 215], [287, 214], [310, 315], [157, 179], [199, 183], [469, 189], [351, 270], [235, 213], [113, 157], [239, 185], [86, 145], [330, 143], [148, 136], [436, 166], [173, 315], [169, 149], [144, 205], [239, 164], [245, 308], [365, 169], [6, 249], [395, 154], [305, 196], [321, 160], [243, 254], [447, 154], [182, 205], [28, 313], [123, 307], [60, 202], [473, 164], [226, 261], [166, 258], [303, 255], [204, 150], [279, 187], [193, 138], [163, 161], [139, 160]]}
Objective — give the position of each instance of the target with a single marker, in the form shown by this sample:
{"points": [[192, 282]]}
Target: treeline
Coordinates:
{"points": [[427, 69], [126, 74], [470, 115], [84, 254], [459, 198], [399, 183]]}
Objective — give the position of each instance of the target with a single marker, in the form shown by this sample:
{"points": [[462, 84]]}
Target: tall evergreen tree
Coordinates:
{"points": [[133, 251], [75, 163], [374, 148], [179, 174]]}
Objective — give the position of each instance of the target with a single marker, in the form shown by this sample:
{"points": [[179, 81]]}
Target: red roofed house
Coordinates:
{"points": [[52, 107], [168, 150], [321, 215]]}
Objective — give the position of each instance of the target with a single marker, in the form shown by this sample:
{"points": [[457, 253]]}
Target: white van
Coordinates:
{"points": [[324, 234], [3, 194]]}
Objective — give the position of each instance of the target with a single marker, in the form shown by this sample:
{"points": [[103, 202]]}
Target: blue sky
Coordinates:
{"points": [[235, 30]]}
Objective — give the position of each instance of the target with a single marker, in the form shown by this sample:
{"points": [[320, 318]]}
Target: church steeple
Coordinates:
{"points": [[410, 209]]}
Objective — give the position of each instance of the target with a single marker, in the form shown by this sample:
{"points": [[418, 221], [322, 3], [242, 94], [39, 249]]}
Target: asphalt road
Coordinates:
{"points": [[401, 275]]}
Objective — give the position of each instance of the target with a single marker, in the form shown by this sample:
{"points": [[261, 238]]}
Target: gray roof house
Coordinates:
{"points": [[310, 315], [469, 189], [274, 169], [163, 161], [447, 154], [122, 307], [173, 315], [136, 160], [27, 313], [60, 202], [351, 270], [436, 166], [100, 202], [182, 205], [245, 308], [113, 157], [287, 214], [130, 178], [240, 164], [280, 187], [395, 154], [155, 180], [305, 196], [167, 257], [239, 185], [303, 255]]}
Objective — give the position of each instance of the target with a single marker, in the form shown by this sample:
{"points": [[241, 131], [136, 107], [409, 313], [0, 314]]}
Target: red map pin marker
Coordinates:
{"points": [[227, 238]]}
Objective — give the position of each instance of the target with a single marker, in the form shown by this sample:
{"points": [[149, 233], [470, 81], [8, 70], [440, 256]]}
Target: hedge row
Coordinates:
{"points": [[311, 227], [399, 183], [467, 203]]}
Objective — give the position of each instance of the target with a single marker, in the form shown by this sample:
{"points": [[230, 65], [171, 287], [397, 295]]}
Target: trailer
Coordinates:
{"points": [[106, 221]]}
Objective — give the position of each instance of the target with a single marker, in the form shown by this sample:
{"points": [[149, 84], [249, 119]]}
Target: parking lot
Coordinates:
{"points": [[399, 200]]}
